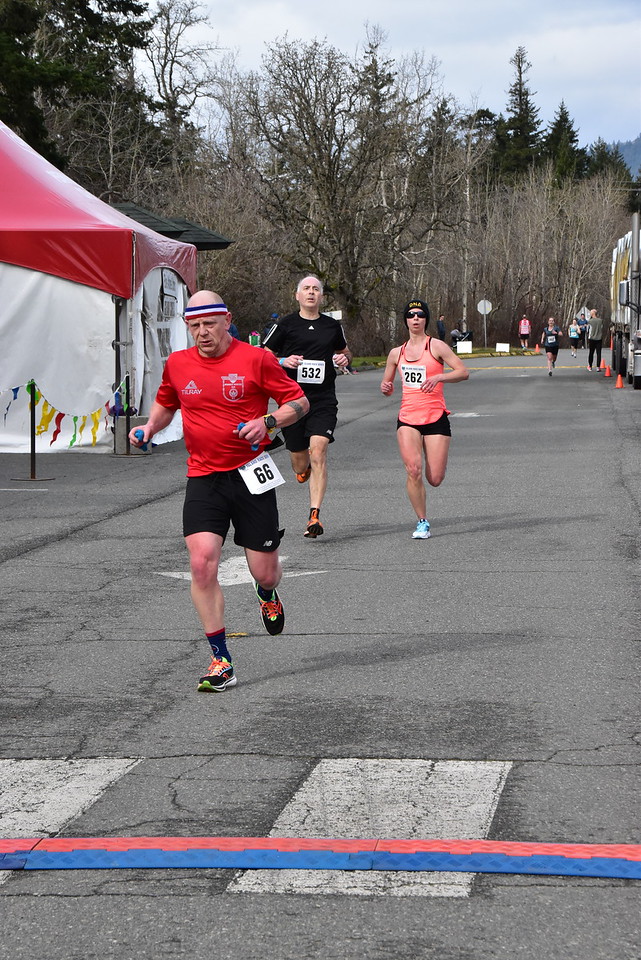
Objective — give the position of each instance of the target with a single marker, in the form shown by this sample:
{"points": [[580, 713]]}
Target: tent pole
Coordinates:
{"points": [[127, 415], [31, 387], [31, 390]]}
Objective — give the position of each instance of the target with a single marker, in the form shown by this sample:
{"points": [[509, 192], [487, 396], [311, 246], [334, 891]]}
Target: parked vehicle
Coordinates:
{"points": [[625, 291]]}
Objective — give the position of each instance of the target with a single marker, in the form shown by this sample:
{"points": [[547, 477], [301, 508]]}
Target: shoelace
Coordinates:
{"points": [[217, 666], [271, 609]]}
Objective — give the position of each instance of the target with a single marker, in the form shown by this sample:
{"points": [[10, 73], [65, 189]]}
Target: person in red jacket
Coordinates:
{"points": [[222, 387]]}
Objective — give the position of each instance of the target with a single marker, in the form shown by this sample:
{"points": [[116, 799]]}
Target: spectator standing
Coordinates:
{"points": [[595, 339], [233, 329], [440, 327], [525, 329], [583, 327]]}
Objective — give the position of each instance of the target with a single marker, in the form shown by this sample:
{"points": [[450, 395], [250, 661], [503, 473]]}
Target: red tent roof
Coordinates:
{"points": [[51, 224]]}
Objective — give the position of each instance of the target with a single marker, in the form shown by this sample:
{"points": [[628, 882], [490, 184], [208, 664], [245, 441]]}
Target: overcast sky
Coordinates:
{"points": [[585, 52]]}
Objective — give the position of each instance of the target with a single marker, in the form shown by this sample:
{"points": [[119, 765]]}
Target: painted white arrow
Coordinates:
{"points": [[234, 571]]}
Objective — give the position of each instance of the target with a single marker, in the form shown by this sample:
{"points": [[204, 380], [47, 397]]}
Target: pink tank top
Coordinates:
{"points": [[418, 407]]}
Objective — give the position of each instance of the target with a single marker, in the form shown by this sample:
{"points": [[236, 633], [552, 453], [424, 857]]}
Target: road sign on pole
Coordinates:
{"points": [[484, 307]]}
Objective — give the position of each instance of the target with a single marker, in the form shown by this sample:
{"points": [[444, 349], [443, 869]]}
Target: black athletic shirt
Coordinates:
{"points": [[312, 339]]}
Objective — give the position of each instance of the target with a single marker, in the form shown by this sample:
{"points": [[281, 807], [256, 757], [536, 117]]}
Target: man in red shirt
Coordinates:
{"points": [[222, 387]]}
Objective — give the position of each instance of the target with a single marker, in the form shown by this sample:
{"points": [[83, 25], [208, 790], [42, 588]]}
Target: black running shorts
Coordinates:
{"points": [[319, 422], [440, 427], [218, 499]]}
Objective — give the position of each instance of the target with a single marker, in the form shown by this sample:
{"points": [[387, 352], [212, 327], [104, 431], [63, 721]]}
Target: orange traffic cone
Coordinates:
{"points": [[619, 384], [536, 349], [608, 372], [602, 367]]}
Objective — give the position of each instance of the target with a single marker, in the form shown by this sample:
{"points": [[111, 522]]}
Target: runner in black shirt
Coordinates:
{"points": [[309, 343], [550, 341]]}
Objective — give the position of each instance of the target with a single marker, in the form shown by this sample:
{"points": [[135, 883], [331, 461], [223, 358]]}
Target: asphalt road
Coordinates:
{"points": [[510, 637]]}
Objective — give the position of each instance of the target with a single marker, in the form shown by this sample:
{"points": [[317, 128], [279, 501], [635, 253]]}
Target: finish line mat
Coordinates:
{"points": [[277, 853]]}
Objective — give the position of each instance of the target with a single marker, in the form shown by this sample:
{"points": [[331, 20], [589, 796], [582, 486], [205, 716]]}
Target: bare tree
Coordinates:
{"points": [[354, 166], [183, 72]]}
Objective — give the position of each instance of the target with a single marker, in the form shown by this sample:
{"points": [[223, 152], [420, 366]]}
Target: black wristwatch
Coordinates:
{"points": [[270, 422]]}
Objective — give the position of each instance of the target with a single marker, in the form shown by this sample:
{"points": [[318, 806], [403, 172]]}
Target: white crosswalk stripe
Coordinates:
{"points": [[385, 799], [38, 797]]}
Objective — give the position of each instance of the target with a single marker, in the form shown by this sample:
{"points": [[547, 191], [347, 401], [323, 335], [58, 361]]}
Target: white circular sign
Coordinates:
{"points": [[484, 306]]}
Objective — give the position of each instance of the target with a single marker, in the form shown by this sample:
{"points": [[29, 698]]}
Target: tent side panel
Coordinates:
{"points": [[59, 334], [153, 250], [100, 257]]}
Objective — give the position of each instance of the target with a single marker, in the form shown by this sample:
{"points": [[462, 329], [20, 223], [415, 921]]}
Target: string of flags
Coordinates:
{"points": [[115, 407]]}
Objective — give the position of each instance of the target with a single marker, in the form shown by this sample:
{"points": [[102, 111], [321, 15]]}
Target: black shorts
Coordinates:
{"points": [[319, 422], [552, 349], [218, 499], [440, 427]]}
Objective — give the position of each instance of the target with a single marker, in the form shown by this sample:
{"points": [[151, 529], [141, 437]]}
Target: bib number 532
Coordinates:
{"points": [[311, 371]]}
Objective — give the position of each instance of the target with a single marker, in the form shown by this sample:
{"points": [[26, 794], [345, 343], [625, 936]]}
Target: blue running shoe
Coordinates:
{"points": [[422, 531]]}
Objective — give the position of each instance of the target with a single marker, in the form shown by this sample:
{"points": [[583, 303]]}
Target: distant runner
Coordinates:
{"points": [[550, 340], [310, 345], [423, 426]]}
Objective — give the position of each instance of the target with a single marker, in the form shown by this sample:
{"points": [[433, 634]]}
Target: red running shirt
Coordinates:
{"points": [[418, 407], [215, 394]]}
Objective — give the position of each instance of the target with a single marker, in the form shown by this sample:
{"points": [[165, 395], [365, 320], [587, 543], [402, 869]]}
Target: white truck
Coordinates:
{"points": [[625, 291]]}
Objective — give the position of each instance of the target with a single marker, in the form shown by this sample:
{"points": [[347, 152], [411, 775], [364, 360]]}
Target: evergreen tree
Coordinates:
{"points": [[57, 54], [607, 159], [561, 147], [23, 75], [518, 141]]}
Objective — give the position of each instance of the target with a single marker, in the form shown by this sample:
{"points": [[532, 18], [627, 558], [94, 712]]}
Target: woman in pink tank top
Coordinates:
{"points": [[423, 426]]}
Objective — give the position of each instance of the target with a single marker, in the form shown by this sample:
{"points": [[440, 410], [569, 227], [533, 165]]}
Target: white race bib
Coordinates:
{"points": [[261, 474], [412, 375], [311, 371]]}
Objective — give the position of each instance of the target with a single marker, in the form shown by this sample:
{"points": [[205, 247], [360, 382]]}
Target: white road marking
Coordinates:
{"points": [[38, 797], [24, 489], [235, 570], [463, 416], [385, 799]]}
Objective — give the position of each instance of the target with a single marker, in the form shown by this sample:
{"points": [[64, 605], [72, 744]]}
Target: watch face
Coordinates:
{"points": [[270, 422]]}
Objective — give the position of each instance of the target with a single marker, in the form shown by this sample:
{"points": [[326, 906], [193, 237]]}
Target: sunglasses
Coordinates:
{"points": [[417, 313]]}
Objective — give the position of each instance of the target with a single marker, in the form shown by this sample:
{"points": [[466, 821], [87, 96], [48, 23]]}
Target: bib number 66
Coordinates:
{"points": [[261, 474]]}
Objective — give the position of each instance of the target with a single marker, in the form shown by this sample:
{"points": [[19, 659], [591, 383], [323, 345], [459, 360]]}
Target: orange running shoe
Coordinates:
{"points": [[314, 526], [219, 676], [304, 476]]}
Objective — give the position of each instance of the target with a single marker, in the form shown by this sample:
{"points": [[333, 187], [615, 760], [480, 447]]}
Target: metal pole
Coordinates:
{"points": [[127, 416], [31, 387]]}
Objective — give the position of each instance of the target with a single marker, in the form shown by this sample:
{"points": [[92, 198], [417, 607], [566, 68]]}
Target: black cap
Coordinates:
{"points": [[417, 305]]}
